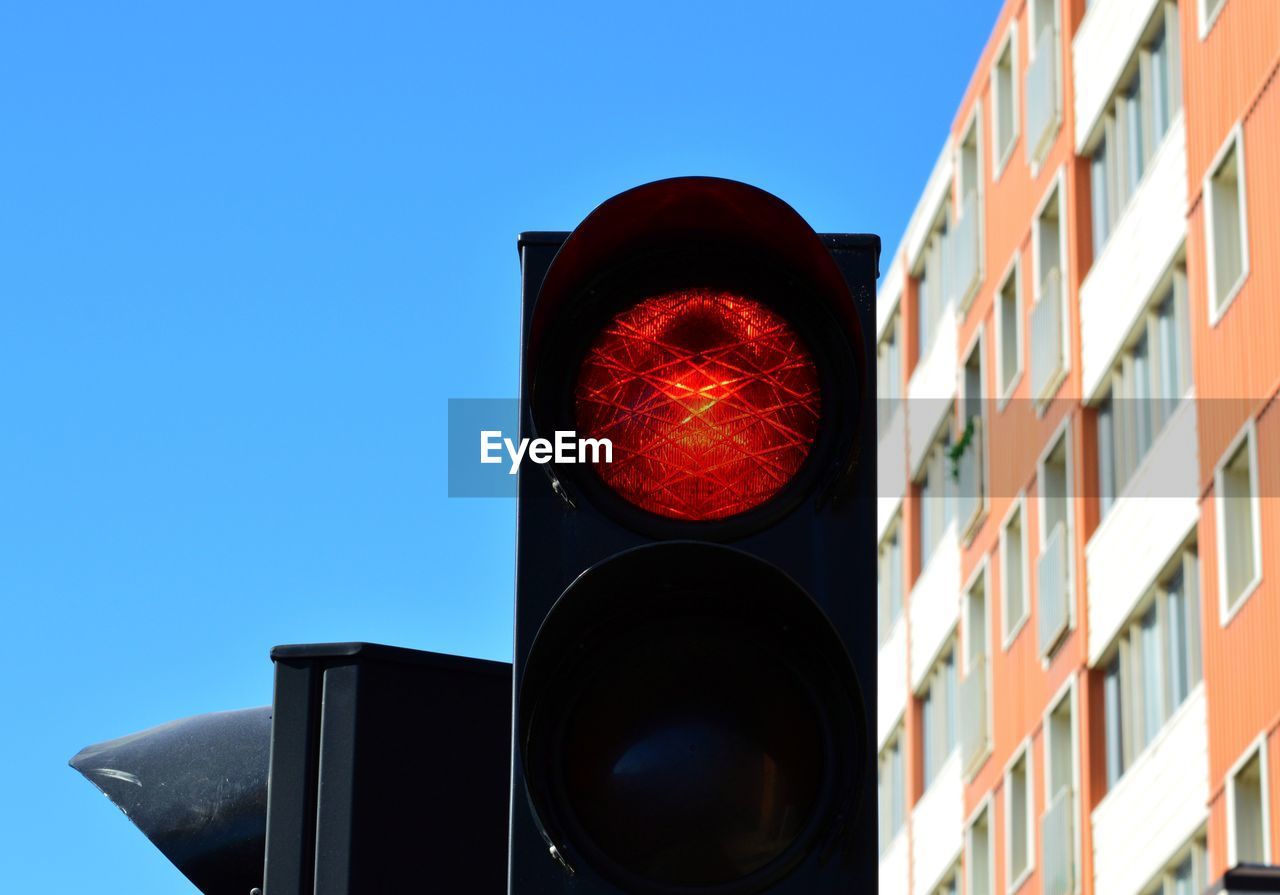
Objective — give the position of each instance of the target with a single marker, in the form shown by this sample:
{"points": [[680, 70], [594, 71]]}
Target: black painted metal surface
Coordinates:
{"points": [[197, 788]]}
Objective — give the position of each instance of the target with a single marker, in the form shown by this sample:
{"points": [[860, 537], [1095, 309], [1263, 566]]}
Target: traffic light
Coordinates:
{"points": [[694, 655], [375, 769]]}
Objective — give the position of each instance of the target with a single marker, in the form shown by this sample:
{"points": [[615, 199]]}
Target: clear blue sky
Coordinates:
{"points": [[246, 254]]}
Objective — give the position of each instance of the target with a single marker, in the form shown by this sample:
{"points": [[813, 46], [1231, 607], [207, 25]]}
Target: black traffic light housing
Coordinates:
{"points": [[694, 698], [375, 769]]}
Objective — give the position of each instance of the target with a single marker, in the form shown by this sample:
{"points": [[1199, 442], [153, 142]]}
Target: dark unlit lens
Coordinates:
{"points": [[696, 758]]}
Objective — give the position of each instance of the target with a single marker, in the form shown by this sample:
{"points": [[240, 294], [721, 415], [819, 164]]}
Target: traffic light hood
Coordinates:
{"points": [[197, 788], [689, 214]]}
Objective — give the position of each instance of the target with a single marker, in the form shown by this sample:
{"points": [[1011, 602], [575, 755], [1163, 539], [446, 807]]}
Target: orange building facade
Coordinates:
{"points": [[1078, 366]]}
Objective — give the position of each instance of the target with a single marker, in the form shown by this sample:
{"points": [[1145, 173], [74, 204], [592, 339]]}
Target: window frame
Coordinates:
{"points": [[985, 806], [1057, 188], [1197, 849], [895, 740], [949, 882], [1009, 631], [941, 222], [1173, 286], [981, 574], [1033, 30], [1184, 560], [1025, 752], [891, 340], [976, 348], [1112, 130], [1247, 439], [1012, 273], [939, 445], [1207, 21], [1062, 434], [959, 187], [1218, 307], [937, 672], [892, 531], [1000, 156], [1066, 693], [1257, 747]]}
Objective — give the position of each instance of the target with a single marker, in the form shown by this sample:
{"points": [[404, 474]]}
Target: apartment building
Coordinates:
{"points": [[1079, 362]]}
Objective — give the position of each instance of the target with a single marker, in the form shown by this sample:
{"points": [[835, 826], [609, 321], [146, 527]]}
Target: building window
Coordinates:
{"points": [[949, 885], [1239, 524], [1004, 101], [1009, 330], [1248, 823], [888, 373], [938, 715], [964, 262], [1154, 666], [1148, 382], [1049, 333], [937, 496], [975, 630], [979, 860], [1019, 838], [1209, 10], [1058, 824], [893, 789], [1056, 609], [1226, 231], [974, 697], [889, 581], [1187, 874], [1136, 121], [1043, 92], [969, 468], [1059, 744], [931, 293], [1013, 574]]}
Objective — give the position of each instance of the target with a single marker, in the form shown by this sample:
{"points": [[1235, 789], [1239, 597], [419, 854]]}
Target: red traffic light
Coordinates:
{"points": [[710, 398], [692, 660]]}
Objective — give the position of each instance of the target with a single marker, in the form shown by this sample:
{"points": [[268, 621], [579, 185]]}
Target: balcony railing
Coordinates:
{"points": [[1051, 583], [962, 244], [1058, 834], [1046, 338], [971, 487], [1043, 112], [973, 722]]}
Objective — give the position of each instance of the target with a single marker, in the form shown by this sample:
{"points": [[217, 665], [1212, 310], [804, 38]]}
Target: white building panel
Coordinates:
{"points": [[894, 866], [886, 509], [1140, 532], [1138, 254], [1159, 803], [933, 608], [937, 828], [889, 294], [1102, 47], [931, 389], [891, 469], [891, 682], [936, 191]]}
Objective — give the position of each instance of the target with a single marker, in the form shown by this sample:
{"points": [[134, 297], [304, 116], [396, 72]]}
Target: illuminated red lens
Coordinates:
{"points": [[710, 399]]}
